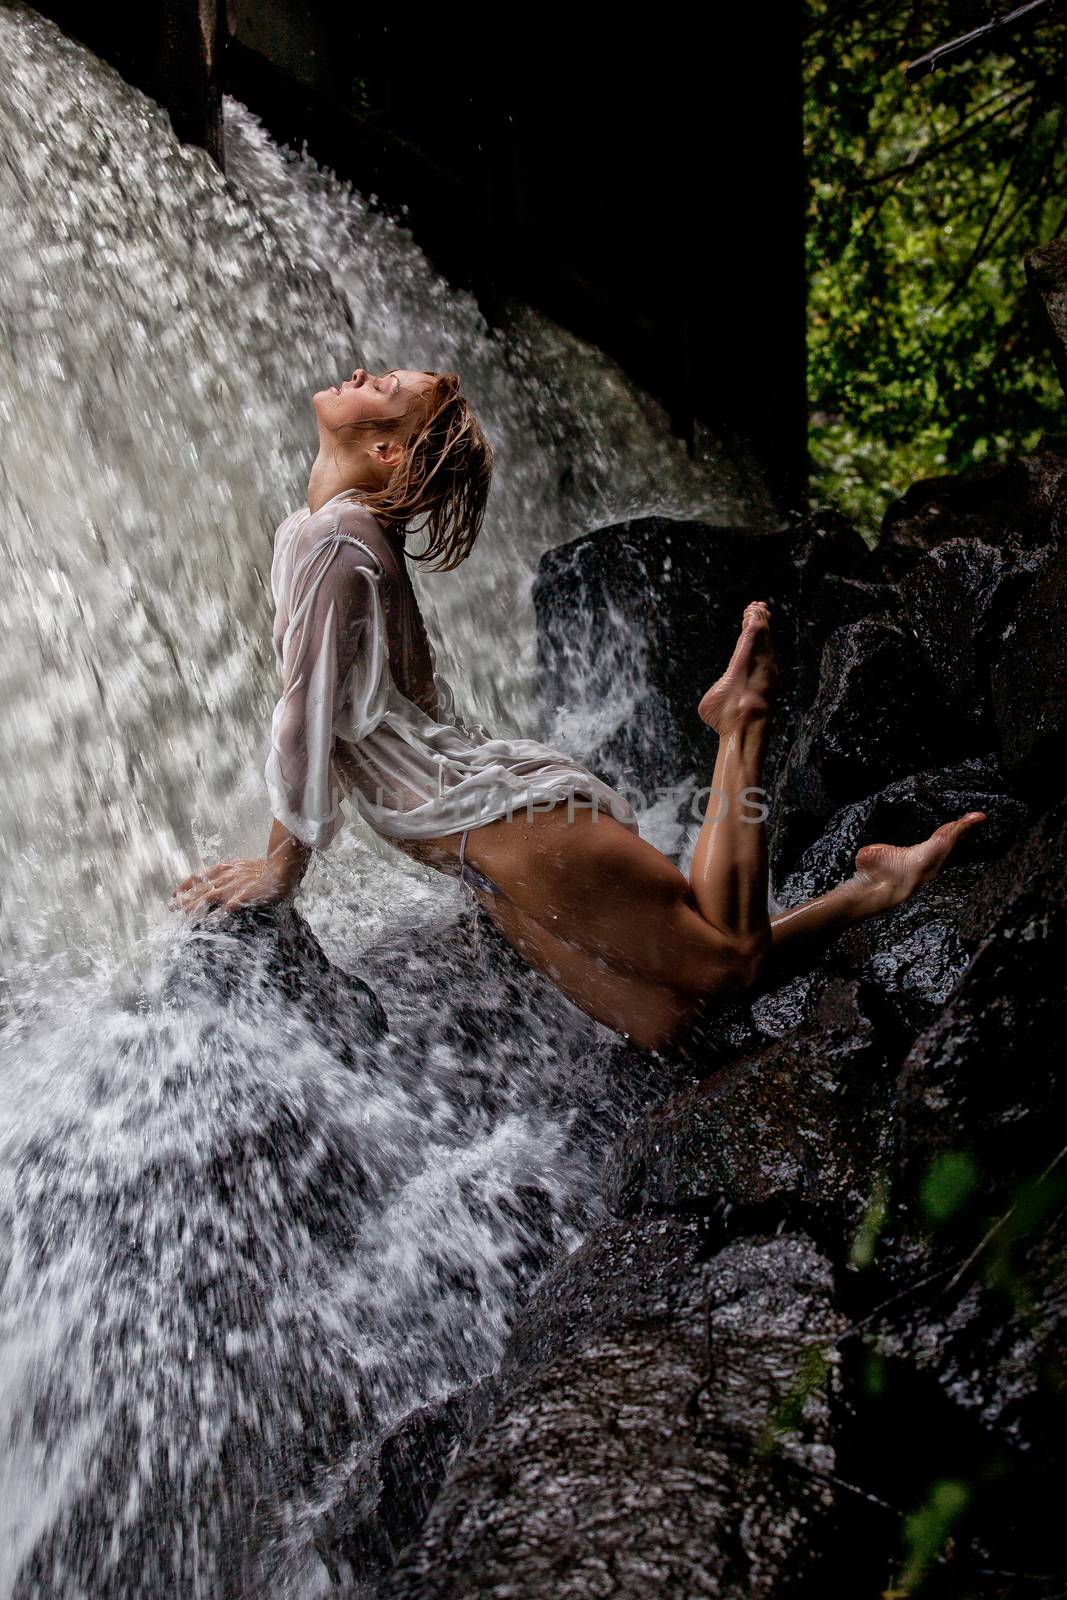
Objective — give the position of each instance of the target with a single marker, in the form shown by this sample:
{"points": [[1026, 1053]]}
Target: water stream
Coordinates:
{"points": [[228, 1258]]}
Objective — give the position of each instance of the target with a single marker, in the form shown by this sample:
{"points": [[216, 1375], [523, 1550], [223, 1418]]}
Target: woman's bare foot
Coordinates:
{"points": [[894, 872], [746, 689]]}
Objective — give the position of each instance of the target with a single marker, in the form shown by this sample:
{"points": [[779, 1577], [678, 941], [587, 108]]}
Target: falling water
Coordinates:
{"points": [[229, 1257]]}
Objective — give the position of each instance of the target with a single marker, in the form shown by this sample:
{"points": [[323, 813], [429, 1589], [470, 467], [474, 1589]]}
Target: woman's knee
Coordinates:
{"points": [[738, 963], [750, 953], [739, 966]]}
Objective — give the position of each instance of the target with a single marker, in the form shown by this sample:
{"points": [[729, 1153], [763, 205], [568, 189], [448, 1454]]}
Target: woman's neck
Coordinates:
{"points": [[331, 475]]}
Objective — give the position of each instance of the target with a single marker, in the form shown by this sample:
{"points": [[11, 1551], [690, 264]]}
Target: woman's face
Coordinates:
{"points": [[365, 397]]}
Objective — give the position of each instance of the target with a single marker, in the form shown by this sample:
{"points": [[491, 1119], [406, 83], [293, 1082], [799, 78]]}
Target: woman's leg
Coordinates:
{"points": [[619, 928], [728, 874], [652, 1012], [612, 895], [886, 875]]}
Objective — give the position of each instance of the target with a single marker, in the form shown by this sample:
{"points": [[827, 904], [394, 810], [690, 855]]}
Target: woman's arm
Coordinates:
{"points": [[254, 881], [289, 854], [332, 657]]}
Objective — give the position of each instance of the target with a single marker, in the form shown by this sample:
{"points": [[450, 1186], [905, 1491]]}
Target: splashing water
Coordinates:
{"points": [[230, 1258]]}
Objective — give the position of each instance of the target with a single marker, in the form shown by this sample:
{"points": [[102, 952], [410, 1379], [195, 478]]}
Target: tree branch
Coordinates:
{"points": [[976, 253], [968, 43], [927, 152]]}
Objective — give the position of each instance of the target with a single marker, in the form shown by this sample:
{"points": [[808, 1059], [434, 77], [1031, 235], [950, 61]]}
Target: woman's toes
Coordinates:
{"points": [[944, 839], [971, 820]]}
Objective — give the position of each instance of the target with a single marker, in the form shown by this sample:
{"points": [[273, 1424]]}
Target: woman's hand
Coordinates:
{"points": [[261, 881], [233, 884]]}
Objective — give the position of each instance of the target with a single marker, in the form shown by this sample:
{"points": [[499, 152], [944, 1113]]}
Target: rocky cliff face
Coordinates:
{"points": [[817, 1347]]}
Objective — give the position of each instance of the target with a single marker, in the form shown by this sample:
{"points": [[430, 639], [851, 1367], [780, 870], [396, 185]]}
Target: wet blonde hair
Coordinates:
{"points": [[441, 485]]}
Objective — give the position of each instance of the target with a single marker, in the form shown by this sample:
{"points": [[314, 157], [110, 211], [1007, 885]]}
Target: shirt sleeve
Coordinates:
{"points": [[331, 663]]}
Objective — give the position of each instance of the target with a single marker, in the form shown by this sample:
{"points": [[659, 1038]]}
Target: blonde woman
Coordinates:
{"points": [[551, 851]]}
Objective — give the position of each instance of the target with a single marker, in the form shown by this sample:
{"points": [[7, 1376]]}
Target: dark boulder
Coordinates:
{"points": [[1018, 502], [986, 618], [1029, 677], [971, 1262], [874, 719], [913, 956], [950, 602], [829, 606], [268, 951], [741, 1027], [986, 1078], [994, 1341], [786, 1135], [636, 621], [388, 1493], [903, 813], [664, 1430]]}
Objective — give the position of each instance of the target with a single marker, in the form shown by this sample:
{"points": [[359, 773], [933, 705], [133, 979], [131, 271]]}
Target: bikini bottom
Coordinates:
{"points": [[470, 875]]}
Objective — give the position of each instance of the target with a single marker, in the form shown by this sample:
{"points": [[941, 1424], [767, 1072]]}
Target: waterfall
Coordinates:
{"points": [[229, 1258]]}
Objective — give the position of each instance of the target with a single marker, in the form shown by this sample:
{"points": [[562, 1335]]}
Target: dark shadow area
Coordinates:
{"points": [[642, 187]]}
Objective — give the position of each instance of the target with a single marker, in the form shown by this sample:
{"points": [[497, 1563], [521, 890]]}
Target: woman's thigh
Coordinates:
{"points": [[598, 886]]}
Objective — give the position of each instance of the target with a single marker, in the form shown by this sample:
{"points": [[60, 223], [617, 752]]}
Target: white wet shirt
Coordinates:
{"points": [[343, 729]]}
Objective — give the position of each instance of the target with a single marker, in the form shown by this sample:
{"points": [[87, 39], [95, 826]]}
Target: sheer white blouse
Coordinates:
{"points": [[343, 730]]}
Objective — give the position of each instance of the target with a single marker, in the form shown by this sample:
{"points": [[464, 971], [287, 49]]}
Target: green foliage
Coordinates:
{"points": [[875, 1381], [948, 1185], [926, 1531], [924, 352], [788, 1415], [870, 1229]]}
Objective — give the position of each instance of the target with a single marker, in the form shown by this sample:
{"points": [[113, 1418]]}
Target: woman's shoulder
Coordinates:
{"points": [[354, 521], [352, 527]]}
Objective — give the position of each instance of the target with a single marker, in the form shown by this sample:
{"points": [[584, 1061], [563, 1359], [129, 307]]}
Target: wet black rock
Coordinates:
{"points": [[986, 617], [914, 956], [834, 602], [1029, 677], [636, 621], [787, 1135], [950, 600], [737, 1027], [270, 950], [993, 1343], [890, 1112], [986, 1078], [1013, 503], [664, 1430], [901, 813], [874, 719], [388, 1493]]}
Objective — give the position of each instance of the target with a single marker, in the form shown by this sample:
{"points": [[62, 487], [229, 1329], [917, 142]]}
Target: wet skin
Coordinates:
{"points": [[627, 936], [615, 925]]}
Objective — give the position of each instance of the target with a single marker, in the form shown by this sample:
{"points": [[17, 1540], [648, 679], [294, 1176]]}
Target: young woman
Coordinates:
{"points": [[552, 853]]}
